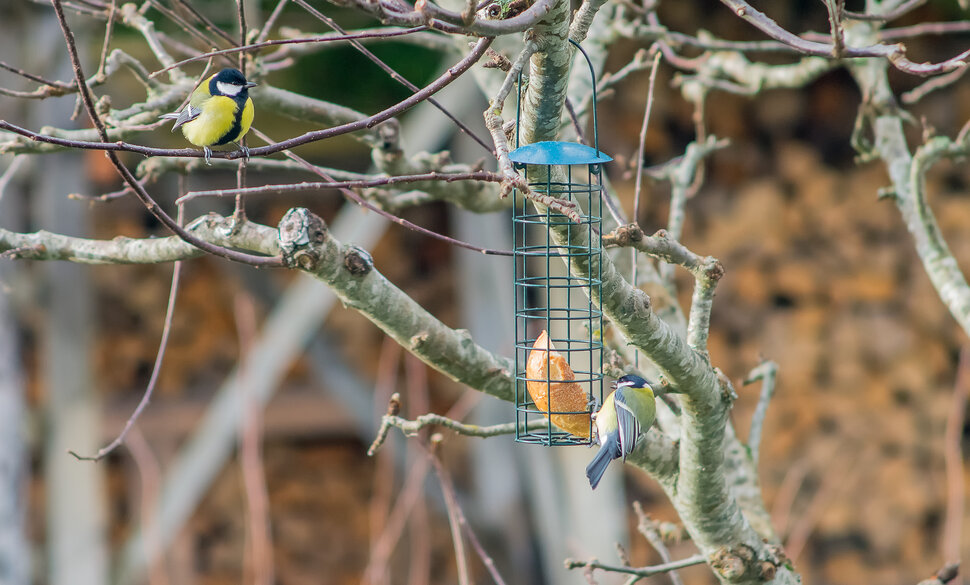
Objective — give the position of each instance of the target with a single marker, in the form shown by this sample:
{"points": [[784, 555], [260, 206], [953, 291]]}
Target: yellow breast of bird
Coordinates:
{"points": [[247, 119], [217, 118]]}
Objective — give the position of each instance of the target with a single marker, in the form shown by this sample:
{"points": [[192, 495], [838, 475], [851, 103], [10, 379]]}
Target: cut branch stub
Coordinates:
{"points": [[300, 233], [358, 261]]}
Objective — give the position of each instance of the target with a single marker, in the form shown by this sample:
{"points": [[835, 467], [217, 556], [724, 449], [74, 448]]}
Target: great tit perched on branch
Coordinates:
{"points": [[220, 111], [626, 412]]}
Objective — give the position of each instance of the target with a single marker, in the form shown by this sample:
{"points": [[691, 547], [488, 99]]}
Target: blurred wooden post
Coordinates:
{"points": [[14, 548], [76, 516], [14, 557]]}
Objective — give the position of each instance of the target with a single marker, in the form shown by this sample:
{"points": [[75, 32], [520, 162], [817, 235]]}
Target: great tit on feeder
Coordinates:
{"points": [[220, 111], [626, 412]]}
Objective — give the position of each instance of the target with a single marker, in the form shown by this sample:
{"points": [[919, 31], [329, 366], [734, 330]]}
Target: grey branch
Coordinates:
{"points": [[766, 372], [908, 175], [349, 271], [412, 428], [707, 272], [45, 245], [700, 485], [638, 571]]}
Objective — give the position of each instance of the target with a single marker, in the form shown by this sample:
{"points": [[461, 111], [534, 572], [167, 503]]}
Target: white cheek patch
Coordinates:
{"points": [[228, 88]]}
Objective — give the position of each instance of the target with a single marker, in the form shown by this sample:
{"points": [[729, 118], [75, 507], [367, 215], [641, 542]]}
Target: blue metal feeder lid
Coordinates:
{"points": [[558, 153]]}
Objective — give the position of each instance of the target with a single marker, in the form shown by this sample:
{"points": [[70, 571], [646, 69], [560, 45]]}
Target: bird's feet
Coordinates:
{"points": [[208, 155], [245, 150]]}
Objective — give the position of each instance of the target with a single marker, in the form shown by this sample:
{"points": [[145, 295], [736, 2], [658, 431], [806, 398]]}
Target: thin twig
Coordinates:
{"points": [[420, 548], [648, 107], [382, 549], [156, 370], [353, 196], [110, 196], [271, 21], [953, 457], [384, 476], [206, 22], [38, 79], [932, 84], [10, 171], [791, 484], [647, 526], [698, 559], [107, 39], [259, 534], [394, 74], [574, 119], [924, 28], [239, 213], [299, 41], [419, 543], [241, 19], [276, 189], [643, 139], [766, 372], [183, 24], [835, 8], [149, 472], [411, 428], [893, 14], [377, 566], [895, 54], [456, 515], [23, 252], [839, 475]]}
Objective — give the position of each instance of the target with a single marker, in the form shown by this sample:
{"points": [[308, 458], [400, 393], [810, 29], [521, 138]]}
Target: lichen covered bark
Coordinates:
{"points": [[307, 244]]}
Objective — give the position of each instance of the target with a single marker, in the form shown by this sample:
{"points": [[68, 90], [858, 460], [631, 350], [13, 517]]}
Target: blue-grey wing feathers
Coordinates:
{"points": [[187, 114], [627, 423]]}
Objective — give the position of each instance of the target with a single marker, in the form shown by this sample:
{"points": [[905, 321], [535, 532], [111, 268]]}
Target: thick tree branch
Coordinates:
{"points": [[212, 228], [349, 271], [700, 491]]}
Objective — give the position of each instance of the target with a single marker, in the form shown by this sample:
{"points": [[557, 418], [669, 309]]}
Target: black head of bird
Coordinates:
{"points": [[231, 83]]}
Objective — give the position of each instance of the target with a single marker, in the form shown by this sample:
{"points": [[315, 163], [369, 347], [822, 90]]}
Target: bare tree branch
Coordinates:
{"points": [[766, 372], [641, 571]]}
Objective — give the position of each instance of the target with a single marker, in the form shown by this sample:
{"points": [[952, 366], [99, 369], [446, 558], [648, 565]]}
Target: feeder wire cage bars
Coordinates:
{"points": [[558, 328]]}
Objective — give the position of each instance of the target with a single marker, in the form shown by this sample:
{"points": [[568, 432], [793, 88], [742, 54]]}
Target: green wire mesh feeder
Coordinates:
{"points": [[558, 329]]}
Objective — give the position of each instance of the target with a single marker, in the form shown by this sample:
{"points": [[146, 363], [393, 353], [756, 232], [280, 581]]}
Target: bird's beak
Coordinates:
{"points": [[250, 84]]}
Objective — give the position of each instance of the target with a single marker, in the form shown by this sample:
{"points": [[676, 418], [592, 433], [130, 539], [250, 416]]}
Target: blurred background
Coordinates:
{"points": [[271, 391]]}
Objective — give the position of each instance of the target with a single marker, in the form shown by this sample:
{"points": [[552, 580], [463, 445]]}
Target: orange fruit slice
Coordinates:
{"points": [[567, 395]]}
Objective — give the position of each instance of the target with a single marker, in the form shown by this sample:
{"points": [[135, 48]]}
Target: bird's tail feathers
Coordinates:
{"points": [[171, 116], [609, 451], [187, 114]]}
